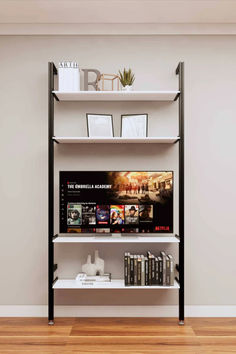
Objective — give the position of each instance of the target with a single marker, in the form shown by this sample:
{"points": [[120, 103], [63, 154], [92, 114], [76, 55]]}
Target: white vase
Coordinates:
{"points": [[89, 268], [99, 264], [127, 88]]}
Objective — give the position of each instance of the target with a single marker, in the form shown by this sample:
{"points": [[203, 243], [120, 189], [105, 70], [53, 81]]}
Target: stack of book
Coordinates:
{"points": [[92, 279], [140, 270]]}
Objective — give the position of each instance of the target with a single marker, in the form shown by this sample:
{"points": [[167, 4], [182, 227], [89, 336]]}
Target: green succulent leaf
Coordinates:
{"points": [[126, 77]]}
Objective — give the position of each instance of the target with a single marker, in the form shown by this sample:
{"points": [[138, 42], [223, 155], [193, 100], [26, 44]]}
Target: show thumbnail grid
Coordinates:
{"points": [[89, 214]]}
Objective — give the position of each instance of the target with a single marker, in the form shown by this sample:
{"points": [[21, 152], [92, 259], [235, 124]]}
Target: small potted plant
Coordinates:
{"points": [[126, 79]]}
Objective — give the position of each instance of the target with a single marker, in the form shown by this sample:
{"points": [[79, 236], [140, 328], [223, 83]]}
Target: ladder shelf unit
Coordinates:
{"points": [[170, 96]]}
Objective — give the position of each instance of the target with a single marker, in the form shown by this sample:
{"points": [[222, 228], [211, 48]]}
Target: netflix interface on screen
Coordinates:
{"points": [[116, 202]]}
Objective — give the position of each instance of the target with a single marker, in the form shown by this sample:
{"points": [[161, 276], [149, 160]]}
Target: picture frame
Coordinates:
{"points": [[134, 125], [100, 125]]}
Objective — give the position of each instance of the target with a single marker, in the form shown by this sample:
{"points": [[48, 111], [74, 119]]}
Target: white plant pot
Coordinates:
{"points": [[127, 88]]}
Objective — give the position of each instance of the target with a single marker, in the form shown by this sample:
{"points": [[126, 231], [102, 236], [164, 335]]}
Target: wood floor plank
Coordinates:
{"points": [[129, 327], [32, 351], [112, 351], [213, 326], [27, 321], [214, 340], [32, 343], [218, 321], [132, 344], [214, 344], [35, 327], [214, 330], [217, 349]]}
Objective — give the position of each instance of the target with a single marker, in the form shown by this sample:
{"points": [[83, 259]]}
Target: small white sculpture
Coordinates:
{"points": [[89, 268], [99, 263], [96, 268]]}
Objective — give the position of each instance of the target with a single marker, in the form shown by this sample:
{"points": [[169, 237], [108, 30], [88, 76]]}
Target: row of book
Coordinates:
{"points": [[140, 270]]}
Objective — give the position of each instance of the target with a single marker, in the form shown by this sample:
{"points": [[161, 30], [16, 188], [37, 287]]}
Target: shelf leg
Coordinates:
{"points": [[180, 72], [181, 323], [51, 73], [50, 323]]}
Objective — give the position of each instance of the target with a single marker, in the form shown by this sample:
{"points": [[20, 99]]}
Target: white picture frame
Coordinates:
{"points": [[100, 125], [134, 125]]}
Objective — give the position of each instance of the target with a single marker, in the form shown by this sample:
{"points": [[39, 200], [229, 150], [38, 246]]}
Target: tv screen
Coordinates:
{"points": [[116, 202]]}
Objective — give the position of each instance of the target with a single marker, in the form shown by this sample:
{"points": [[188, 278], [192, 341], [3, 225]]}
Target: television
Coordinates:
{"points": [[127, 202]]}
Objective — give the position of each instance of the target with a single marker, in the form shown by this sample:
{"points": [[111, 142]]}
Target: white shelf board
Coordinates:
{"points": [[117, 95], [115, 239], [114, 284], [115, 140]]}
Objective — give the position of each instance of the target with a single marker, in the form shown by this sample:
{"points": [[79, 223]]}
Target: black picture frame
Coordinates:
{"points": [[99, 114], [134, 114]]}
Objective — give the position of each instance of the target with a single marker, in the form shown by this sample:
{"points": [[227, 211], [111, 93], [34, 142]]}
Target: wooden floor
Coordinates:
{"points": [[117, 335]]}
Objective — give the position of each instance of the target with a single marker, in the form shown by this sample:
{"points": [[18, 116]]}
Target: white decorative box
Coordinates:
{"points": [[68, 77]]}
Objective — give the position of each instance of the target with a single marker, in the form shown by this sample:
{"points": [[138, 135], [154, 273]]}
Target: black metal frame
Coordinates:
{"points": [[51, 268], [52, 71], [180, 72]]}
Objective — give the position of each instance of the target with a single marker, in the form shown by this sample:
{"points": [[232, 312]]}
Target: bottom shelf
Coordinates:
{"points": [[114, 284]]}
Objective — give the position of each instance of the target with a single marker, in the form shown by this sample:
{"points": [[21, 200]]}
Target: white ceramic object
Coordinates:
{"points": [[89, 268], [127, 88], [99, 264]]}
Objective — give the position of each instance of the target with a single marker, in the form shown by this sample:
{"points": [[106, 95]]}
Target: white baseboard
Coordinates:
{"points": [[112, 29], [117, 311]]}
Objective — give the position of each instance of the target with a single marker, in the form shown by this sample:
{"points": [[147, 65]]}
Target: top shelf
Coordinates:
{"points": [[117, 96]]}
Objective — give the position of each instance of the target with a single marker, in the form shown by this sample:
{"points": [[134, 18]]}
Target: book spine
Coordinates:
{"points": [[156, 271], [135, 270], [153, 274], [167, 271], [131, 270], [163, 255], [143, 271], [160, 267], [172, 271], [139, 271], [149, 269], [146, 271], [126, 269]]}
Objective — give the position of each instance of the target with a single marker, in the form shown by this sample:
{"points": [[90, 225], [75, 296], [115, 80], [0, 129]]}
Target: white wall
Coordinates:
{"points": [[210, 84]]}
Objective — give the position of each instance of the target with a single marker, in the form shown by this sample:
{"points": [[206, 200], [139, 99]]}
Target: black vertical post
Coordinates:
{"points": [[51, 71], [180, 72]]}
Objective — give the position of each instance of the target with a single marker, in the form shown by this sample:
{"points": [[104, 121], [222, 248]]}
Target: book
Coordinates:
{"points": [[156, 271], [172, 270], [83, 278], [167, 271], [160, 268], [135, 269], [131, 269], [153, 270], [163, 256], [146, 271], [126, 268], [149, 255], [139, 270], [142, 271]]}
